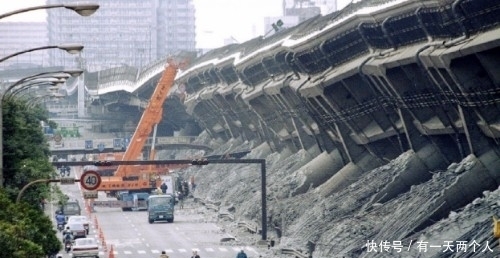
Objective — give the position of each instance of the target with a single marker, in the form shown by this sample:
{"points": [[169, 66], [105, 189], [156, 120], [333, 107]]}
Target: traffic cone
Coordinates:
{"points": [[111, 252]]}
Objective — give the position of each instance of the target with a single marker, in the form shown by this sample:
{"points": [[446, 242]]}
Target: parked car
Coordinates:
{"points": [[80, 219], [85, 247], [78, 229]]}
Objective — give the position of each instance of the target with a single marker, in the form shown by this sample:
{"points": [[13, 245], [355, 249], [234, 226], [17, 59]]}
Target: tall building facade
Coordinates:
{"points": [[122, 32], [21, 36]]}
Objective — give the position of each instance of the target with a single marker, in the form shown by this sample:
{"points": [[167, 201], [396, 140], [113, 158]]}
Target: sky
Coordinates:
{"points": [[216, 20]]}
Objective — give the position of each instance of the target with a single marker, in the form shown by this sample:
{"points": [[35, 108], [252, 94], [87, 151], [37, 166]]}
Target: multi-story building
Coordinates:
{"points": [[122, 32], [21, 36]]}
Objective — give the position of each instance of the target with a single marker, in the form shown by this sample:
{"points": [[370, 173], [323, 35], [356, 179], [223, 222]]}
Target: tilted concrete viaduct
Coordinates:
{"points": [[358, 87]]}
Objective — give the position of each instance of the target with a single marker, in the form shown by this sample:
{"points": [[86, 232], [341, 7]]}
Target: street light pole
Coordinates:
{"points": [[52, 84], [73, 73], [81, 9], [71, 48]]}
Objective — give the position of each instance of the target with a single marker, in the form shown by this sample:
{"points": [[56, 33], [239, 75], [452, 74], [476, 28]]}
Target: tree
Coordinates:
{"points": [[24, 229], [25, 150], [24, 232]]}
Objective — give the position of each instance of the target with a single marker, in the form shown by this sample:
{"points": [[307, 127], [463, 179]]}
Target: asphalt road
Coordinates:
{"points": [[128, 234]]}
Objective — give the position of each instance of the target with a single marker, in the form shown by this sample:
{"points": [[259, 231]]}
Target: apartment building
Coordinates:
{"points": [[21, 36], [122, 32]]}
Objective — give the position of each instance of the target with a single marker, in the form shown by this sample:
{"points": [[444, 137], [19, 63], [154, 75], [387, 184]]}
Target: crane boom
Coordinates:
{"points": [[139, 178], [151, 116]]}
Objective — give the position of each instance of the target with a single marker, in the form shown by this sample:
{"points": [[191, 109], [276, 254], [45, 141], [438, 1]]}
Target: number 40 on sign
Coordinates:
{"points": [[90, 180]]}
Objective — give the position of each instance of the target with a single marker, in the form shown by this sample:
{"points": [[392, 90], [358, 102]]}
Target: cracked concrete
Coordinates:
{"points": [[343, 223]]}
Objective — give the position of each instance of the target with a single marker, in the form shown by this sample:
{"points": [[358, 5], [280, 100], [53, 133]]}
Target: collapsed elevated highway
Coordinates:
{"points": [[119, 95], [359, 88], [362, 87], [382, 111]]}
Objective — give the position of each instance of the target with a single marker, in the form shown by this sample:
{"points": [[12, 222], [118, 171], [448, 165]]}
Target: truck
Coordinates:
{"points": [[161, 208]]}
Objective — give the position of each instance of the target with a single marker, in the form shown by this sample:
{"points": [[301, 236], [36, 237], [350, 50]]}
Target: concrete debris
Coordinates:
{"points": [[351, 222]]}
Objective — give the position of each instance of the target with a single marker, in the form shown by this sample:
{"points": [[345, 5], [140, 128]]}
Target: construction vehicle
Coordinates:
{"points": [[146, 177]]}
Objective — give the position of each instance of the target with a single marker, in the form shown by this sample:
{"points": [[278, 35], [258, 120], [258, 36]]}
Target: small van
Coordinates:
{"points": [[140, 201], [72, 207]]}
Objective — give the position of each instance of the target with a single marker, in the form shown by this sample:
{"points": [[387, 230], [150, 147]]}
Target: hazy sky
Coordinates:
{"points": [[216, 20]]}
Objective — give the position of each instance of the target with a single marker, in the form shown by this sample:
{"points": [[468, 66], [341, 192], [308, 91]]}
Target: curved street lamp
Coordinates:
{"points": [[81, 9], [57, 75], [70, 48], [51, 85], [73, 73]]}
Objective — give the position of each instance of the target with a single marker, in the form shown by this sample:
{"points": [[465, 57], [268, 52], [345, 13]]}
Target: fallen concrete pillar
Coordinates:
{"points": [[319, 170], [261, 151], [346, 176]]}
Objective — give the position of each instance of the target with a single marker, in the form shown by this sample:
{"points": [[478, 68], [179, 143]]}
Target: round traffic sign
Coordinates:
{"points": [[90, 180], [58, 137]]}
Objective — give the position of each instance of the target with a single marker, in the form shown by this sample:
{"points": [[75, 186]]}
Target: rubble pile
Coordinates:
{"points": [[348, 222]]}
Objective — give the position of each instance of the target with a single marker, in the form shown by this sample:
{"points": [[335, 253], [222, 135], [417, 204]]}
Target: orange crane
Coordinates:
{"points": [[144, 178]]}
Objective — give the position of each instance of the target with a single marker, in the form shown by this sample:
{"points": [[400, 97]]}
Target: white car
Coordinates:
{"points": [[77, 229], [85, 247], [80, 219]]}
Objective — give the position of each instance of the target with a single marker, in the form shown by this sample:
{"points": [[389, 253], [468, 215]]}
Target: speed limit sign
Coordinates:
{"points": [[90, 180]]}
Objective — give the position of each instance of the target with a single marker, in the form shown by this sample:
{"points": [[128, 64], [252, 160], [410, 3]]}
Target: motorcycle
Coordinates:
{"points": [[67, 246], [60, 227]]}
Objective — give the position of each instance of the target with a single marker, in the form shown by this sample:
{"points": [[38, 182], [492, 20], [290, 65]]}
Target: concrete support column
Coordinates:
{"points": [[319, 170]]}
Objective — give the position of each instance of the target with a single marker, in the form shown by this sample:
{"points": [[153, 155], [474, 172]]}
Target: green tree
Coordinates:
{"points": [[25, 149], [25, 231]]}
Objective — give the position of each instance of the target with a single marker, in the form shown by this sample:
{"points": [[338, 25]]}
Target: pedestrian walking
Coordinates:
{"points": [[181, 200], [163, 254], [241, 254]]}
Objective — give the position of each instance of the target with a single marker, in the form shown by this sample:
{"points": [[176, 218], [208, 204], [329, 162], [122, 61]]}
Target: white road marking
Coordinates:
{"points": [[155, 251], [141, 252], [169, 250], [182, 250], [127, 252], [223, 249], [209, 249]]}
